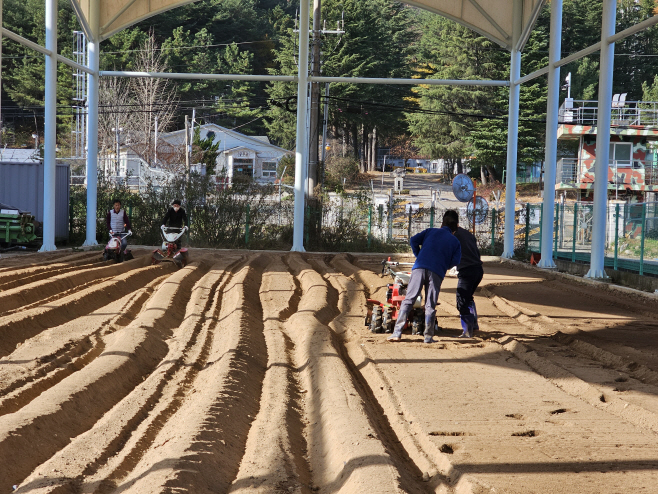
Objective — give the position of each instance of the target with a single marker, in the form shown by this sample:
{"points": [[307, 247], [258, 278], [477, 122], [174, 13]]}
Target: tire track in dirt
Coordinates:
{"points": [[344, 453], [282, 468], [77, 402], [107, 452], [200, 446], [16, 328], [54, 354]]}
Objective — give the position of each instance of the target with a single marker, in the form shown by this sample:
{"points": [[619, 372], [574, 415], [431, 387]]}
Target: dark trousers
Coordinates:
{"points": [[469, 279], [420, 278]]}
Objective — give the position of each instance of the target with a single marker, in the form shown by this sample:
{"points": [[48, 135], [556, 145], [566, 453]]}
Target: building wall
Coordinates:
{"points": [[21, 186]]}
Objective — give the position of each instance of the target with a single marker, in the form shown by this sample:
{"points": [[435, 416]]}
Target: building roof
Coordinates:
{"points": [[248, 141], [19, 155], [491, 18]]}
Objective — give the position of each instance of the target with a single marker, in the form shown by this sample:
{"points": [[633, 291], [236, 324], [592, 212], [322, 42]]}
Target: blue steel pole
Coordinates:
{"points": [[601, 165], [550, 158]]}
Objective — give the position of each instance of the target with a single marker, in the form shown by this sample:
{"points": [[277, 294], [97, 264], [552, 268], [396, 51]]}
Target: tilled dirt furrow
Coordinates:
{"points": [[200, 447], [98, 458], [25, 276], [66, 410], [344, 451], [422, 467], [283, 468], [30, 293], [24, 262], [17, 328], [43, 361]]}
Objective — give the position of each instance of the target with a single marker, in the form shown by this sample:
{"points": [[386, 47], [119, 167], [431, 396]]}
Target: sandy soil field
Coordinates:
{"points": [[254, 372]]}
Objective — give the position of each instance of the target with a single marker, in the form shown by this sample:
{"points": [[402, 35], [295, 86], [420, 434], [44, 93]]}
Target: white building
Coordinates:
{"points": [[239, 154]]}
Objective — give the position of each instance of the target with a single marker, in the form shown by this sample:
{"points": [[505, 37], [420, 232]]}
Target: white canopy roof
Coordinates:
{"points": [[491, 18]]}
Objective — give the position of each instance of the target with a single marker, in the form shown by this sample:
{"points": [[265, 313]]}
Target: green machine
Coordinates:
{"points": [[16, 226]]}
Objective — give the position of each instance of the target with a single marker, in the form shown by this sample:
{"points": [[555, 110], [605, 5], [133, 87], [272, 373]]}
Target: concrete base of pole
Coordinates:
{"points": [[596, 274], [88, 243], [47, 248], [546, 263], [508, 255]]}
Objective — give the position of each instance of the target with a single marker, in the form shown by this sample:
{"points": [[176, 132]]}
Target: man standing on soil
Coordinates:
{"points": [[436, 251], [117, 221], [470, 275]]}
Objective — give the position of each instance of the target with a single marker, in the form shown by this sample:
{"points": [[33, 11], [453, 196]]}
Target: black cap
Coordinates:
{"points": [[175, 202]]}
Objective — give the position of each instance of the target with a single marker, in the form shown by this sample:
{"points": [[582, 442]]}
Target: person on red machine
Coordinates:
{"points": [[176, 217], [117, 221], [436, 251]]}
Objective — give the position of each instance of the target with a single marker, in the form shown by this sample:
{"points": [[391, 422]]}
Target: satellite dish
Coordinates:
{"points": [[481, 210], [462, 187]]}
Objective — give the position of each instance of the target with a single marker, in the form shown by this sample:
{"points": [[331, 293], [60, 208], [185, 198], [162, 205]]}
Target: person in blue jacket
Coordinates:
{"points": [[436, 250]]}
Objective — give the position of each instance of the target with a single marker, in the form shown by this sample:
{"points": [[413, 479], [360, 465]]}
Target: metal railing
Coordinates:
{"points": [[626, 113], [570, 171]]}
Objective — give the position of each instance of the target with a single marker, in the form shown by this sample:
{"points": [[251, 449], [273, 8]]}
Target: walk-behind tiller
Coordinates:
{"points": [[170, 251], [381, 317]]}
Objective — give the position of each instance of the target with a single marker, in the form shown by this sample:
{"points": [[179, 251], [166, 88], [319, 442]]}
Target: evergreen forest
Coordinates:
{"points": [[381, 38]]}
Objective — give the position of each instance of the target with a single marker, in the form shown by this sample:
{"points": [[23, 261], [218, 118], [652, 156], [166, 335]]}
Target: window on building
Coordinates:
{"points": [[621, 153], [243, 167], [269, 169]]}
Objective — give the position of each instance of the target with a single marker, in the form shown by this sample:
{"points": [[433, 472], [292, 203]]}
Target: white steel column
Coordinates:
{"points": [[596, 269], [512, 133], [550, 157], [512, 152], [50, 129], [301, 148], [93, 56]]}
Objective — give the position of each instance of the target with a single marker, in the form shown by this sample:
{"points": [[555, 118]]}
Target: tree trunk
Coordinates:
{"points": [[355, 140], [493, 176], [373, 151], [460, 166], [483, 175]]}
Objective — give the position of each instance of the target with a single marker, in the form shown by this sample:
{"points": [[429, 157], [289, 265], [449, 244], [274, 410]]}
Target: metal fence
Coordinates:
{"points": [[351, 223], [631, 242]]}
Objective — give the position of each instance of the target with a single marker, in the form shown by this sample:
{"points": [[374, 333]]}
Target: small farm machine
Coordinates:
{"points": [[382, 316]]}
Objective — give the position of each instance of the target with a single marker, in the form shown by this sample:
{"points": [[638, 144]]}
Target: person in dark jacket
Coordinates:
{"points": [[436, 251], [176, 217], [470, 275], [117, 221]]}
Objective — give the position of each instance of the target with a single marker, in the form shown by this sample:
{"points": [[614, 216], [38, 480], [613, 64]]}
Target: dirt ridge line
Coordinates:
{"points": [[57, 363], [19, 327], [58, 258], [575, 281], [95, 457], [579, 388], [78, 401], [638, 371], [205, 439], [417, 472], [546, 325], [436, 466], [537, 322], [30, 275], [33, 292], [344, 452], [264, 469]]}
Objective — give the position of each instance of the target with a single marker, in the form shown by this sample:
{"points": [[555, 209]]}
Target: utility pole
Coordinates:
{"points": [[187, 148], [315, 99]]}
